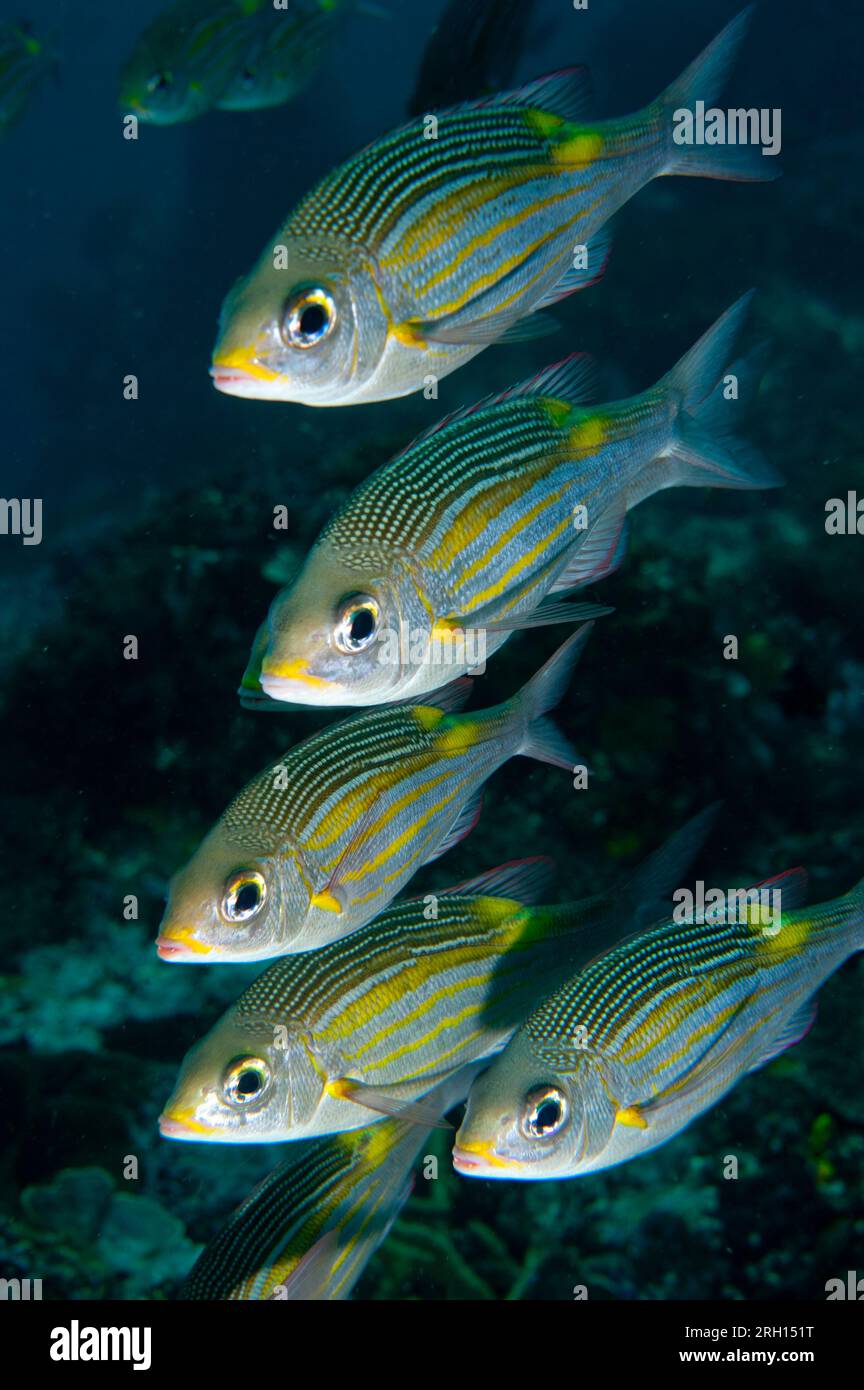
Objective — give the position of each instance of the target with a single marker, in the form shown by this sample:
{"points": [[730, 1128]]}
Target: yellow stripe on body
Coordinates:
{"points": [[400, 1025], [495, 590], [669, 1013], [415, 974], [722, 1082], [512, 531], [451, 213], [484, 282], [715, 1024], [484, 510], [490, 234], [369, 865]]}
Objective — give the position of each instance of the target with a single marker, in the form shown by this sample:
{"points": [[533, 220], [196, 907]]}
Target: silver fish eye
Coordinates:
{"points": [[307, 318], [357, 623], [245, 894], [246, 1079], [545, 1112]]}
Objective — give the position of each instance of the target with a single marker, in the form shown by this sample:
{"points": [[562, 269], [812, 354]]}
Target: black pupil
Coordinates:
{"points": [[162, 83], [362, 625], [247, 897], [313, 320], [548, 1115], [248, 1083]]}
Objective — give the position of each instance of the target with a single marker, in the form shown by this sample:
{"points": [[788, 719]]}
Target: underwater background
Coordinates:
{"points": [[158, 523]]}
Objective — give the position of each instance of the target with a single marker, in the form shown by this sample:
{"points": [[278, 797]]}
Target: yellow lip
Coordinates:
{"points": [[184, 1118], [184, 937], [482, 1150], [243, 359], [291, 671]]}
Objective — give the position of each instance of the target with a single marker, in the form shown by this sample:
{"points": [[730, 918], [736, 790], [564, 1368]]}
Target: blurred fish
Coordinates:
{"points": [[437, 239], [310, 1228], [284, 56], [25, 62], [330, 1040], [475, 48], [517, 500], [320, 842], [653, 1033], [233, 54]]}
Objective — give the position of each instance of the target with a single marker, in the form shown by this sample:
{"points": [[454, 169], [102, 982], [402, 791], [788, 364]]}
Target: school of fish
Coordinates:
{"points": [[579, 1034]]}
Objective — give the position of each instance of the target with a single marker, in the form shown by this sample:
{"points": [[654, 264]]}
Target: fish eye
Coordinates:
{"points": [[245, 1080], [357, 623], [307, 318], [545, 1112], [244, 895], [159, 82]]}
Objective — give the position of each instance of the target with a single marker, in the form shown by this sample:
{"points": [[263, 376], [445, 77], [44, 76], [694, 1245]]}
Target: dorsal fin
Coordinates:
{"points": [[525, 880], [572, 379], [565, 93]]}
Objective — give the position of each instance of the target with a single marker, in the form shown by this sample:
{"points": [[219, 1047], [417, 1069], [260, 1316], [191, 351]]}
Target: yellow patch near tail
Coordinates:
{"points": [[579, 150], [588, 435]]}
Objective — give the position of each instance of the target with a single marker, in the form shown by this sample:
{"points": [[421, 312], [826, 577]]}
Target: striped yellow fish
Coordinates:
{"points": [[320, 842], [310, 1228], [652, 1034], [330, 1040], [481, 526], [418, 252]]}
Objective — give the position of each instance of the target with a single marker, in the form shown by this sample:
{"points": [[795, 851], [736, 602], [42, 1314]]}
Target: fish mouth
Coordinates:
{"points": [[181, 1124], [292, 681], [180, 946], [232, 382], [237, 373], [476, 1159], [466, 1163]]}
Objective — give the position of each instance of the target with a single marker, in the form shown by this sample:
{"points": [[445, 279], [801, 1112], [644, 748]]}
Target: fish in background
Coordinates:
{"points": [[25, 62], [310, 1228], [414, 255], [323, 840], [652, 1034], [236, 55], [330, 1040], [488, 521], [474, 49]]}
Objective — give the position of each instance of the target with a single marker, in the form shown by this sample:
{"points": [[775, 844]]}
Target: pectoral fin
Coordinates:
{"points": [[392, 1101]]}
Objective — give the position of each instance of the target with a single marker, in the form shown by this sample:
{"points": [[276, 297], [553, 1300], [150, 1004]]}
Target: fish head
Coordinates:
{"points": [[178, 69], [242, 896], [250, 1081], [157, 89], [523, 1120], [335, 636], [306, 325]]}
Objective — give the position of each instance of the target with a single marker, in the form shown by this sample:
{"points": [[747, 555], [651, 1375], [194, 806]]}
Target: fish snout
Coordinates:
{"points": [[465, 1162], [181, 1124], [180, 945]]}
